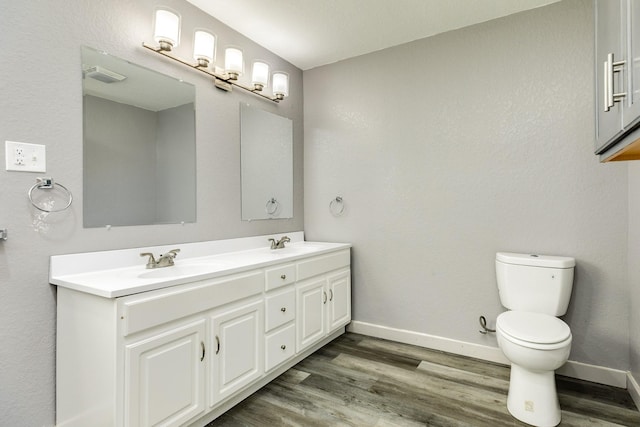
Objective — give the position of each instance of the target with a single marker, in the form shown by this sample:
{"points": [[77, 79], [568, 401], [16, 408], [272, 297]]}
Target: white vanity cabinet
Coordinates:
{"points": [[164, 376], [237, 352], [184, 354], [323, 302]]}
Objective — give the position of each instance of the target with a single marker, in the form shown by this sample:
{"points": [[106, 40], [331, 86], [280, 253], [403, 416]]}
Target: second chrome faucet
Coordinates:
{"points": [[280, 243], [164, 260]]}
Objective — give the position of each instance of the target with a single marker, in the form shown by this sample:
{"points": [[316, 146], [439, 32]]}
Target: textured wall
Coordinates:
{"points": [[41, 102], [449, 149], [634, 268]]}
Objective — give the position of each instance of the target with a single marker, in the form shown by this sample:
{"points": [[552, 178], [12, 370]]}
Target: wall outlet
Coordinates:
{"points": [[23, 157]]}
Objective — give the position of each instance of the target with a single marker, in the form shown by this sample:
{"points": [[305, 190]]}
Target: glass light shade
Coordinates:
{"points": [[203, 47], [167, 29], [280, 85], [260, 77], [233, 63]]}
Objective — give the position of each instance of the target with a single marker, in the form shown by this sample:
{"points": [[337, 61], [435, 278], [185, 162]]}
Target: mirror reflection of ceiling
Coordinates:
{"points": [[138, 88], [311, 33]]}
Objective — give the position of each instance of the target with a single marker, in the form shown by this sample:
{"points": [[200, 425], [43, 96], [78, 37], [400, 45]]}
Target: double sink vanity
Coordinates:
{"points": [[181, 344]]}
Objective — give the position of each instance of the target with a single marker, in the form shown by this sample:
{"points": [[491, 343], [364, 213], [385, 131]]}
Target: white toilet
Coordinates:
{"points": [[535, 289]]}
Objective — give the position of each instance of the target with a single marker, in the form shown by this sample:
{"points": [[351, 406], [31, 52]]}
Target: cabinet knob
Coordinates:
{"points": [[284, 347], [283, 277], [283, 309]]}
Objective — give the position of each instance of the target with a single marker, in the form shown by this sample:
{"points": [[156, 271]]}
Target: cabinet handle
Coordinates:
{"points": [[324, 301], [283, 309], [284, 347], [330, 294], [610, 68], [203, 350], [217, 345], [283, 277]]}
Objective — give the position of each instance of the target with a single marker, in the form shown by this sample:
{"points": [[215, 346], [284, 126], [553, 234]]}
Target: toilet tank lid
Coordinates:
{"points": [[534, 260]]}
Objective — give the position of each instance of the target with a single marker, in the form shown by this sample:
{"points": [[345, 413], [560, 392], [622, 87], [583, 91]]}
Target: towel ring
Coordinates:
{"points": [[336, 206], [47, 183], [272, 202]]}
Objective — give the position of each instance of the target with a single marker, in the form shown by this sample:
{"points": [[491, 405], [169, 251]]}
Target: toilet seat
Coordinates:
{"points": [[534, 330]]}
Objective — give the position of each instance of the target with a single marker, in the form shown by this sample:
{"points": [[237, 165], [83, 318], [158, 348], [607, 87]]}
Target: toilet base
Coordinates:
{"points": [[533, 398]]}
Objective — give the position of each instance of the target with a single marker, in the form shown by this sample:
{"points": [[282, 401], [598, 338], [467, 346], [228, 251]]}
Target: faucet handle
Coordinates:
{"points": [[152, 261], [173, 252], [273, 243]]}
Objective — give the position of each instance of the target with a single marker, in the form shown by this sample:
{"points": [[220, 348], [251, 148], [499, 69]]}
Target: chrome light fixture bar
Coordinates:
{"points": [[167, 35]]}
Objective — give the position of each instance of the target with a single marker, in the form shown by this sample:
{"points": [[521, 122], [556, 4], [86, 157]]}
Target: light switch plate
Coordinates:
{"points": [[24, 157]]}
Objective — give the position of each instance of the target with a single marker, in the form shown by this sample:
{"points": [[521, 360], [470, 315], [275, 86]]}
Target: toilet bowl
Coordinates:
{"points": [[536, 344]]}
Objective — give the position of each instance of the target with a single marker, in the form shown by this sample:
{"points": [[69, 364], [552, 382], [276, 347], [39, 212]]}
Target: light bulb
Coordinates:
{"points": [[203, 47], [260, 77], [280, 85], [167, 29], [233, 63]]}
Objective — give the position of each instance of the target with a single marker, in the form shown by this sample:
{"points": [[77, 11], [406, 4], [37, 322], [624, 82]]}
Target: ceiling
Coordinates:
{"points": [[311, 33]]}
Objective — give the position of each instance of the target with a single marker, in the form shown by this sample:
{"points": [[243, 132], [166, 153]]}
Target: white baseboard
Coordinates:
{"points": [[582, 371], [634, 389]]}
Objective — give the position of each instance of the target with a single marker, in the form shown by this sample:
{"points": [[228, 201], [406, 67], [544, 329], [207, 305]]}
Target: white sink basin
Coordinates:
{"points": [[182, 270]]}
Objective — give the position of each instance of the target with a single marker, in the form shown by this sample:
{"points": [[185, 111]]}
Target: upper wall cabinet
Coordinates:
{"points": [[617, 79]]}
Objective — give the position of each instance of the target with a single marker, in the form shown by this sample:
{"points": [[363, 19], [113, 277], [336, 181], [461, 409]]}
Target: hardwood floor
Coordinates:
{"points": [[363, 381]]}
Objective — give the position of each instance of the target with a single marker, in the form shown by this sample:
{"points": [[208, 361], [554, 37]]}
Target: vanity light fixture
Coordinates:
{"points": [[233, 62], [280, 85], [167, 37], [260, 76], [167, 29], [204, 44]]}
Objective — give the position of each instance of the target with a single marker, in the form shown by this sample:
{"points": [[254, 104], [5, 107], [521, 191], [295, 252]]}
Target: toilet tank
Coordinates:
{"points": [[537, 283]]}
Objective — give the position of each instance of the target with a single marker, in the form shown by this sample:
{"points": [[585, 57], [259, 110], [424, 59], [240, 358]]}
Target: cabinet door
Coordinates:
{"points": [[311, 299], [632, 76], [339, 306], [164, 377], [237, 356], [608, 41]]}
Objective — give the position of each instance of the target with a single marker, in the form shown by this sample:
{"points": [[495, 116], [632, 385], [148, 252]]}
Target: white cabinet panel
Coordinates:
{"points": [[280, 346], [311, 298], [164, 377], [237, 358], [280, 308], [339, 304], [279, 276]]}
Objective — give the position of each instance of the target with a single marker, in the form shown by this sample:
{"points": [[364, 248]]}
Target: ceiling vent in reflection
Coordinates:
{"points": [[104, 75]]}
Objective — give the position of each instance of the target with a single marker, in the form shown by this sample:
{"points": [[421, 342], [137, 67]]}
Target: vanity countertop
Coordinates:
{"points": [[82, 272]]}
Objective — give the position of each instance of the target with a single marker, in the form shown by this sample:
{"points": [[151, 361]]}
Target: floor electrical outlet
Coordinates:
{"points": [[24, 157]]}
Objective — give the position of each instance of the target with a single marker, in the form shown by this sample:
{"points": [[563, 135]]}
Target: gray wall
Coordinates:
{"points": [[175, 177], [120, 150], [41, 102], [449, 149], [634, 268]]}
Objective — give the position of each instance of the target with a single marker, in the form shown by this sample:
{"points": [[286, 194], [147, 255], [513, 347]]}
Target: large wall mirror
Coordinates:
{"points": [[266, 164], [139, 144]]}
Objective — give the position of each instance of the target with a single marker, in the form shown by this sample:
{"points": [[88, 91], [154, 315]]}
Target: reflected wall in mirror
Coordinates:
{"points": [[139, 144], [266, 164]]}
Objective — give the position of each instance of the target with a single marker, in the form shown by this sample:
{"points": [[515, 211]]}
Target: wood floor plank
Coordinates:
{"points": [[363, 381]]}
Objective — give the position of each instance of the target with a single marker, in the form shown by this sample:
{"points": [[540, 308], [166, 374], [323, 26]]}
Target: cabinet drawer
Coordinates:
{"points": [[280, 309], [143, 311], [280, 276], [279, 346], [323, 264]]}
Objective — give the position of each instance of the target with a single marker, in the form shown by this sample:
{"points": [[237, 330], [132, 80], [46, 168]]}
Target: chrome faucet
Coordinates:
{"points": [[280, 243], [164, 260]]}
